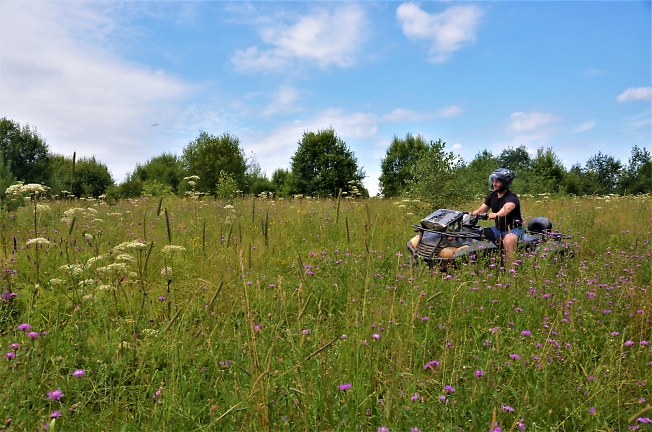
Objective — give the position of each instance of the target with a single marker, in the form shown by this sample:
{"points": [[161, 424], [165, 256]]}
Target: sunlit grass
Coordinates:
{"points": [[258, 314]]}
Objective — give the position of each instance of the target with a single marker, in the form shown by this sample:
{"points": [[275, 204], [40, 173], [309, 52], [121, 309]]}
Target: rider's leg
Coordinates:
{"points": [[509, 244]]}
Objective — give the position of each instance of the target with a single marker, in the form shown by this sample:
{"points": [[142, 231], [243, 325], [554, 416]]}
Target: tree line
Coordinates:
{"points": [[323, 165]]}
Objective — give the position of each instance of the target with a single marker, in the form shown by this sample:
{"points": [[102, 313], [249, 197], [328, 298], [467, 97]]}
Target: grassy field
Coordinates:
{"points": [[306, 314]]}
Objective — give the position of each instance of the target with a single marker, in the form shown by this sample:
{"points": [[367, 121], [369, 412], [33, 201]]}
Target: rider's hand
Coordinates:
{"points": [[492, 215]]}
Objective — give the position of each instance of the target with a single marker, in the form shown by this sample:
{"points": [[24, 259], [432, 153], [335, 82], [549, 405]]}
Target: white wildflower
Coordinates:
{"points": [[41, 208], [132, 274], [87, 282], [125, 257], [136, 245], [73, 269], [93, 260], [166, 272], [56, 282], [38, 241], [150, 332], [192, 177], [172, 248], [105, 287], [88, 237], [228, 207], [117, 267], [89, 298]]}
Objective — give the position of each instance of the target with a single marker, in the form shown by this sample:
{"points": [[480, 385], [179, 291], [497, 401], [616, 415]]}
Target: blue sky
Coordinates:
{"points": [[126, 81]]}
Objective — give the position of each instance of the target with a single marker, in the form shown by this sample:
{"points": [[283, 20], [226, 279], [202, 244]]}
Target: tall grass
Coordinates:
{"points": [[308, 315]]}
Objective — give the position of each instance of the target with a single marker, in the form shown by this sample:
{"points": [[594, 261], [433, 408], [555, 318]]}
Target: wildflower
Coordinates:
{"points": [[449, 389], [629, 343], [166, 272], [526, 332], [375, 336], [24, 327], [55, 395], [55, 414], [644, 343], [414, 397], [14, 346], [78, 373], [305, 331], [425, 318], [644, 420], [344, 387], [430, 364], [10, 355], [169, 249], [592, 410], [156, 394], [383, 429], [414, 429], [507, 408], [479, 373], [33, 335], [38, 241], [443, 399], [162, 298], [515, 356], [520, 425], [343, 336], [125, 257]]}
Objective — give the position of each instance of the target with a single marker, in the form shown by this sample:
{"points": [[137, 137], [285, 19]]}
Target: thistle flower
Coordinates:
{"points": [[24, 327], [55, 395], [345, 386], [78, 373]]}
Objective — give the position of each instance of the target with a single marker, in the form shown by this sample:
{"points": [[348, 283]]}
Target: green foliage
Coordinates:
{"points": [[637, 177], [516, 159], [476, 173], [323, 164], [398, 167], [546, 173], [165, 170], [256, 180], [92, 178], [439, 178], [208, 155], [153, 188], [227, 187], [282, 181], [6, 179], [603, 172], [26, 150]]}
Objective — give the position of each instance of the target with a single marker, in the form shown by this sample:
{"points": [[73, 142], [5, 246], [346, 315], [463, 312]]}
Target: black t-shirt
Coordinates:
{"points": [[513, 218]]}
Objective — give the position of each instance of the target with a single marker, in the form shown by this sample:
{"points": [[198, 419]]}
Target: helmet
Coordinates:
{"points": [[503, 174]]}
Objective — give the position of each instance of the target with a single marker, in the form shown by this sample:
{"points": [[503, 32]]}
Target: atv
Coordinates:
{"points": [[448, 236]]}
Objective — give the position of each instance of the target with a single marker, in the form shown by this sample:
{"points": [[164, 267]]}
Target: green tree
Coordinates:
{"points": [[439, 177], [637, 177], [282, 181], [164, 172], [399, 164], [516, 159], [92, 177], [477, 172], [603, 172], [546, 173], [323, 164], [6, 179], [208, 155], [26, 150], [255, 178]]}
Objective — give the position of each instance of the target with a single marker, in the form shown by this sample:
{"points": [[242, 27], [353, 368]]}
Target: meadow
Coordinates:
{"points": [[260, 314]]}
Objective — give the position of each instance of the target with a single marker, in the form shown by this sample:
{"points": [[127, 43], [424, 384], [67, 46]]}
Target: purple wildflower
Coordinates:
{"points": [[10, 355], [644, 420], [345, 386], [33, 335], [629, 343], [24, 327], [479, 373], [515, 356], [520, 425], [55, 414], [592, 410], [305, 331], [507, 408], [383, 429], [431, 363], [14, 346], [415, 397], [375, 336], [55, 395], [162, 298], [79, 373], [449, 389], [526, 332]]}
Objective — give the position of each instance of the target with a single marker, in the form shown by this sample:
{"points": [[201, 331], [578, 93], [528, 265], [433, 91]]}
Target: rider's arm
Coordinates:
{"points": [[482, 209], [508, 207]]}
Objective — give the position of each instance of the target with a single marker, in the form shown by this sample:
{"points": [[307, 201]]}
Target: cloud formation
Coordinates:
{"points": [[584, 127], [634, 94], [447, 31], [529, 121], [283, 101], [323, 38], [59, 75]]}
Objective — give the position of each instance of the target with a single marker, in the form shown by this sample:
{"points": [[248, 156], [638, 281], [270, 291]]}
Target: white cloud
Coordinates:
{"points": [[283, 101], [58, 75], [449, 111], [528, 121], [457, 146], [324, 37], [447, 31], [635, 93], [584, 127]]}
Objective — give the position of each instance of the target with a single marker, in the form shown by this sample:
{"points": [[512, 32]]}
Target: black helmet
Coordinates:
{"points": [[503, 174]]}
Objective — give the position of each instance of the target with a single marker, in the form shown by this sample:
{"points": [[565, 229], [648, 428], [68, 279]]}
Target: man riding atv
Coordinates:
{"points": [[506, 209]]}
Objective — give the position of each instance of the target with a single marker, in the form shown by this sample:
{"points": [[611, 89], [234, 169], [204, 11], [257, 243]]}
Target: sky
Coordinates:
{"points": [[127, 81]]}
